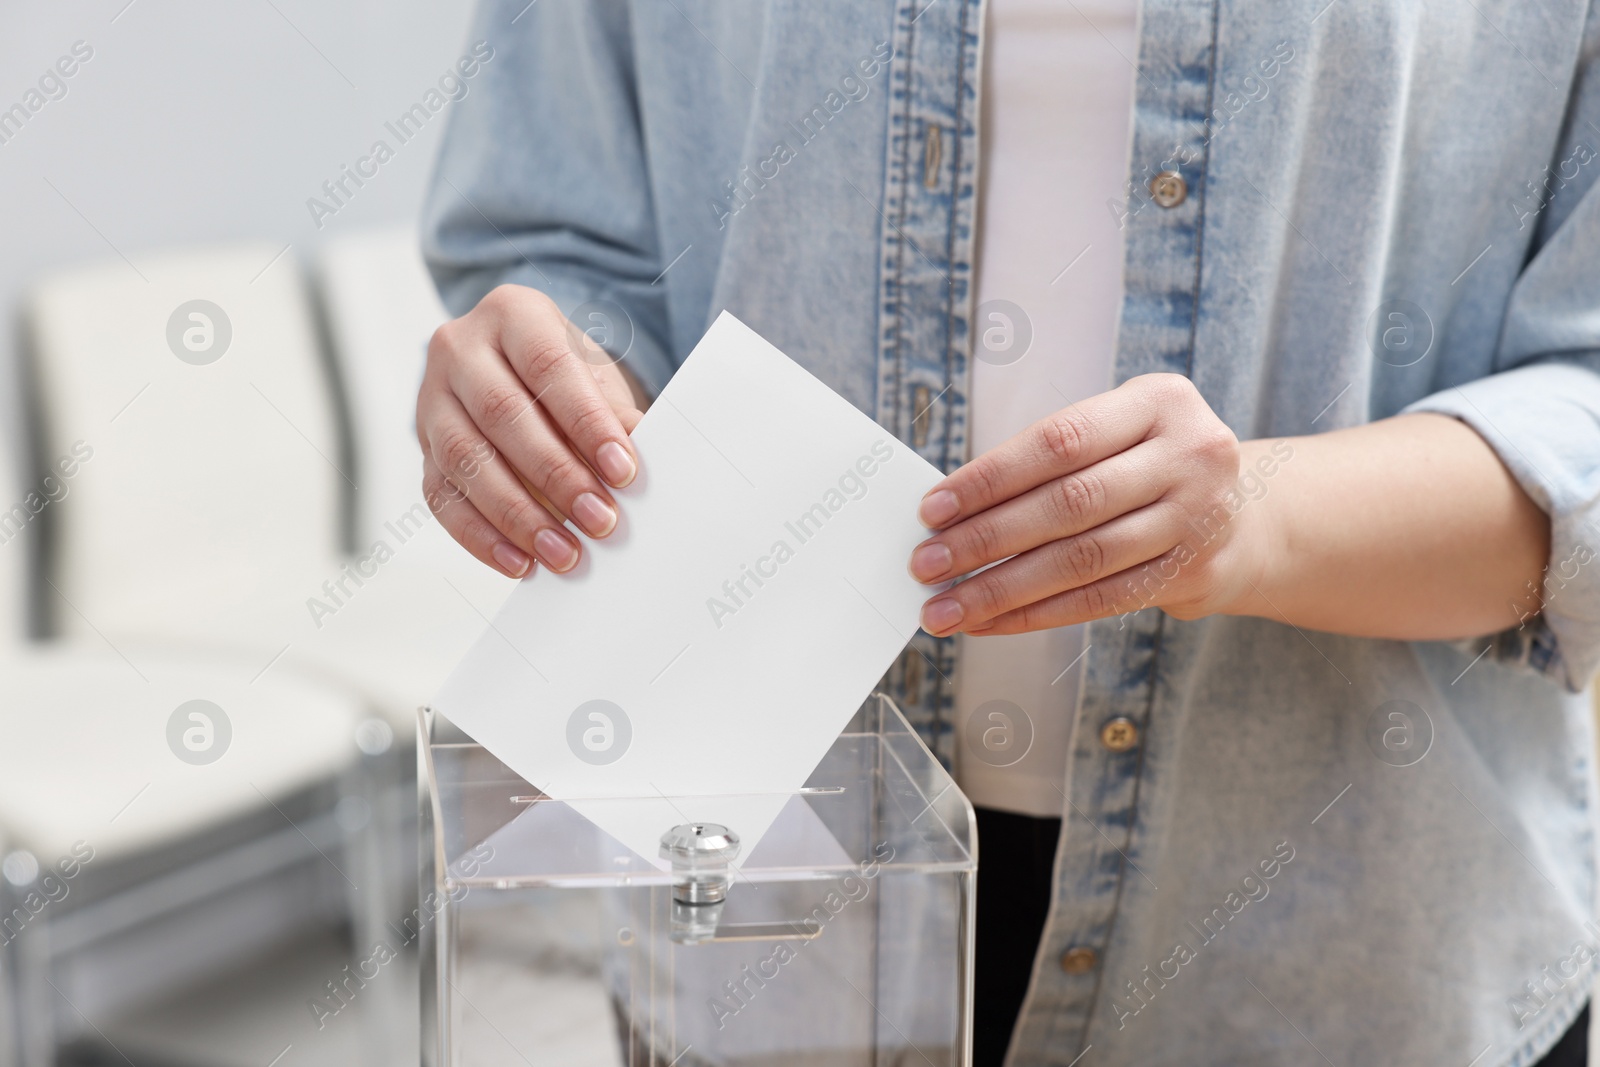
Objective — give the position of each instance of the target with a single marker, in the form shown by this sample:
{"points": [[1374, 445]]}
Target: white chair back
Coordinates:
{"points": [[401, 632], [382, 309], [191, 393]]}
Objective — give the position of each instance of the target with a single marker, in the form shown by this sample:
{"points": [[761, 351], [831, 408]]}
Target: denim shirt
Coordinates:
{"points": [[1322, 848]]}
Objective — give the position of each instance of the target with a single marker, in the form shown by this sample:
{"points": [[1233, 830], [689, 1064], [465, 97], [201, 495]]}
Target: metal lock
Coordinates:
{"points": [[700, 854]]}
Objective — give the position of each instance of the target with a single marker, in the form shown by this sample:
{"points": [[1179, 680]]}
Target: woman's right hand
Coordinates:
{"points": [[523, 422]]}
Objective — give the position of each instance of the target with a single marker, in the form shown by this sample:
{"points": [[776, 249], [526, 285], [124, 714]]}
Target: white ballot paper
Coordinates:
{"points": [[698, 663]]}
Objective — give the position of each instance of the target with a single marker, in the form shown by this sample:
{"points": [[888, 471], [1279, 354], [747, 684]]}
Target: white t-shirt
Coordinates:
{"points": [[1057, 106]]}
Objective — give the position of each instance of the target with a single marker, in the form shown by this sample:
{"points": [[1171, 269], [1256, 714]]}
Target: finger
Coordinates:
{"points": [[538, 343], [626, 394], [503, 409], [1124, 542], [472, 464], [629, 417], [467, 525], [1127, 591], [1058, 444], [1059, 508]]}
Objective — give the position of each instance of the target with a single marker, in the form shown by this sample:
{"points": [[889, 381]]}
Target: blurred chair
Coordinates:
{"points": [[210, 510], [150, 841], [381, 310], [192, 394], [422, 608], [416, 601], [190, 413]]}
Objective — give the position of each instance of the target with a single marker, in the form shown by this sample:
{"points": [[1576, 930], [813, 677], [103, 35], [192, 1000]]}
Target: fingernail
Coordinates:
{"points": [[941, 615], [930, 561], [512, 559], [595, 516], [615, 463], [557, 552], [938, 508]]}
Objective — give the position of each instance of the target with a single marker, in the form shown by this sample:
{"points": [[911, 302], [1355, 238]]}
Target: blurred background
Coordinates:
{"points": [[221, 596]]}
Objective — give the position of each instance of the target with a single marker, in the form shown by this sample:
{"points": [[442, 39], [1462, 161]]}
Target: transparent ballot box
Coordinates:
{"points": [[843, 935]]}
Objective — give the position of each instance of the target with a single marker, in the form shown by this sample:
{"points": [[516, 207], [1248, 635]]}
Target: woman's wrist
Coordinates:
{"points": [[1406, 528], [1250, 561]]}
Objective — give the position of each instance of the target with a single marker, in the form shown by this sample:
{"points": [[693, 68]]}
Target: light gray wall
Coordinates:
{"points": [[197, 121]]}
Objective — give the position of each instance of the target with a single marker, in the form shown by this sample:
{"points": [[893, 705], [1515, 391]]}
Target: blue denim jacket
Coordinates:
{"points": [[1323, 847]]}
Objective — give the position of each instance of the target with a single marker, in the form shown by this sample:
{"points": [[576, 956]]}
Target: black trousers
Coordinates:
{"points": [[1018, 855]]}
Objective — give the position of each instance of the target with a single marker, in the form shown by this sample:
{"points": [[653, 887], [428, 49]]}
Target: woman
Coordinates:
{"points": [[1274, 713]]}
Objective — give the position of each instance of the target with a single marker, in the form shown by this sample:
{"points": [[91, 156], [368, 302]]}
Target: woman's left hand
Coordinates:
{"points": [[1124, 501]]}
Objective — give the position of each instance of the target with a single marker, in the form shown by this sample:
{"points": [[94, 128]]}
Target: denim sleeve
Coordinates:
{"points": [[542, 180], [1543, 421], [1541, 413]]}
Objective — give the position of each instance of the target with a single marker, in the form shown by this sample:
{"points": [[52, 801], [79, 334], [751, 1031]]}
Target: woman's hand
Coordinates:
{"points": [[524, 423], [1124, 501]]}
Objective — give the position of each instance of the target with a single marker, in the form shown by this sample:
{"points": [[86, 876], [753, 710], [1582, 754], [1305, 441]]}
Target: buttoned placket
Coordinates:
{"points": [[928, 248], [1076, 974], [925, 290]]}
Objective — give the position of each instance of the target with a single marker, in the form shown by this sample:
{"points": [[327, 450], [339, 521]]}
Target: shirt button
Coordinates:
{"points": [[1079, 959], [1168, 189], [1119, 734]]}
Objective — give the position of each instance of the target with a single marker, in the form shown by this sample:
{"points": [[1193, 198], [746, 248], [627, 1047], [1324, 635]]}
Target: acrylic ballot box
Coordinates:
{"points": [[843, 936]]}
